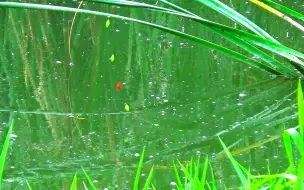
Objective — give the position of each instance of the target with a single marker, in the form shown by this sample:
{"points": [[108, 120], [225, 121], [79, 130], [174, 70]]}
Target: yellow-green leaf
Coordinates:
{"points": [[112, 58], [127, 107], [108, 23]]}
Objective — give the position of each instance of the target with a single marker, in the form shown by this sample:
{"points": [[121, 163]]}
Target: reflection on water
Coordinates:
{"points": [[182, 96]]}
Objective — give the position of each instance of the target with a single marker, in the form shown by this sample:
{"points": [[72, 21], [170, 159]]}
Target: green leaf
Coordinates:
{"points": [[296, 137], [284, 9], [28, 185], [235, 166], [233, 15], [89, 179], [112, 58], [300, 175], [288, 149], [108, 23], [179, 184], [74, 183], [140, 165], [205, 169], [300, 109], [5, 150], [149, 179]]}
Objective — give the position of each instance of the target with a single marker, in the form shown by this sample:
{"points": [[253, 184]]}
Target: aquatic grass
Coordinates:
{"points": [[300, 108], [5, 150], [194, 177], [28, 185], [269, 45], [138, 173], [278, 13], [236, 36], [235, 164], [74, 183], [92, 185], [284, 9], [226, 51]]}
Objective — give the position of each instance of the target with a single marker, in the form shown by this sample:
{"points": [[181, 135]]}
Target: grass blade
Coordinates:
{"points": [[179, 184], [74, 183], [140, 165], [278, 13], [214, 185], [300, 108], [284, 9], [288, 149], [300, 175], [205, 169], [149, 179], [235, 166], [5, 150], [89, 179], [296, 137], [232, 14], [28, 185]]}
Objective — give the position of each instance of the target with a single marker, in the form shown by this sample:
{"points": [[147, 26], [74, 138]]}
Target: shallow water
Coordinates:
{"points": [[68, 112]]}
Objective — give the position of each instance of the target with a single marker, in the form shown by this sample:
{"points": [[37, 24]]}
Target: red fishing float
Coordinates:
{"points": [[119, 86]]}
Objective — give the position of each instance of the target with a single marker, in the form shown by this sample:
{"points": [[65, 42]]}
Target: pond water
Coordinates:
{"points": [[181, 95]]}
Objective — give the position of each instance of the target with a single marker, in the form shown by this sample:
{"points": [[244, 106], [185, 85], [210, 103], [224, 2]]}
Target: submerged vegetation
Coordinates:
{"points": [[254, 47], [194, 176], [291, 65]]}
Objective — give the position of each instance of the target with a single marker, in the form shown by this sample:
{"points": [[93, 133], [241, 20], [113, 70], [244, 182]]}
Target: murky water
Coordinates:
{"points": [[68, 112]]}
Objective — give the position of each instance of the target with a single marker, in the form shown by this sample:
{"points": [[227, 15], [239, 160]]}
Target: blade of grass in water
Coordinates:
{"points": [[149, 179], [284, 9], [288, 149], [240, 42], [235, 165], [89, 179], [74, 183], [300, 108], [278, 13], [300, 174], [178, 179], [28, 185], [140, 165], [214, 184], [237, 37], [297, 139], [232, 14], [5, 150], [204, 175]]}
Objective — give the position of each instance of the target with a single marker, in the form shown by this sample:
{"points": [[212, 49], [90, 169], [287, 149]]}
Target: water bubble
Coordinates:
{"points": [[136, 154], [242, 94], [172, 183], [58, 62]]}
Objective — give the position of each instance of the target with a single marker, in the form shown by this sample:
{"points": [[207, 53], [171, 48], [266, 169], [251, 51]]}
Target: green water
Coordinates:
{"points": [[69, 114]]}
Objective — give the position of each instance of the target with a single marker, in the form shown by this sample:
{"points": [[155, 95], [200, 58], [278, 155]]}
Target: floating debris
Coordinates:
{"points": [[108, 23], [127, 107], [119, 86], [112, 58]]}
